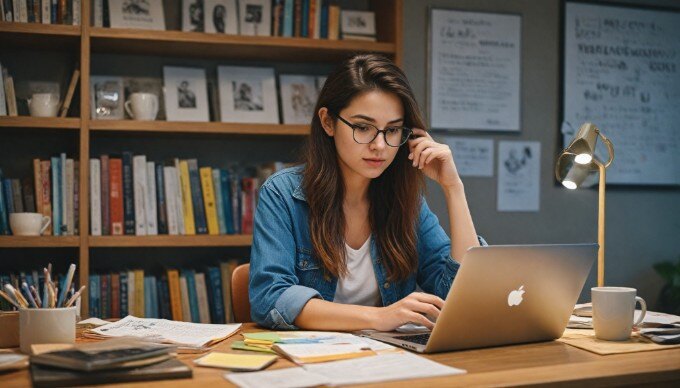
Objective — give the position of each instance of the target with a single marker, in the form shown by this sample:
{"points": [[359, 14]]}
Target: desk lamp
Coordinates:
{"points": [[573, 166]]}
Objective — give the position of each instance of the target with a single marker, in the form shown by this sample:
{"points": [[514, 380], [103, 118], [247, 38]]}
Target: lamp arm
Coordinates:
{"points": [[610, 149]]}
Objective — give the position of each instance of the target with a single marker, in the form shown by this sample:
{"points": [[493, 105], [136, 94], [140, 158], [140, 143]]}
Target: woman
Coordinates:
{"points": [[341, 242]]}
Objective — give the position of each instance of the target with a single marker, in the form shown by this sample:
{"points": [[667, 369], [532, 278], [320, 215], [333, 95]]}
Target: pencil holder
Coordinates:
{"points": [[46, 326], [9, 329]]}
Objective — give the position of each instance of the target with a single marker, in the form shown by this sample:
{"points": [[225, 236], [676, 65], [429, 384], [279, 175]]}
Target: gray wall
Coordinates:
{"points": [[643, 224]]}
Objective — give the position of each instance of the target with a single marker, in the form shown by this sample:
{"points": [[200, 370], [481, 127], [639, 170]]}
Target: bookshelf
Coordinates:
{"points": [[86, 41]]}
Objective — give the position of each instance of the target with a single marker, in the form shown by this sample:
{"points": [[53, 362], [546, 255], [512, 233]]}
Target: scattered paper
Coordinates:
{"points": [[236, 361], [92, 322], [519, 175], [280, 378], [187, 335], [473, 157], [385, 367], [11, 361]]}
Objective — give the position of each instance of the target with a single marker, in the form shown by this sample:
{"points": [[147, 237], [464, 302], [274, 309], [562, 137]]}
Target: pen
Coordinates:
{"points": [[67, 284], [54, 297], [74, 297], [27, 291], [45, 299], [17, 295], [36, 295], [9, 299]]}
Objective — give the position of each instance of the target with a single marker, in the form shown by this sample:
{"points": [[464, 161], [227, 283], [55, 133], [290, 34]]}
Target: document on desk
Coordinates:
{"points": [[385, 367], [331, 347], [280, 378], [189, 337]]}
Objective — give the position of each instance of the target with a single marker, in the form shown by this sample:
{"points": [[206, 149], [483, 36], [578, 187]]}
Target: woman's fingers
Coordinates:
{"points": [[429, 298], [421, 320]]}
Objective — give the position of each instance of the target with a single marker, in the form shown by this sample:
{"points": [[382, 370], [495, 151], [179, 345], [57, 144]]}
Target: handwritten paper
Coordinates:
{"points": [[519, 175], [475, 70], [473, 157], [280, 378], [622, 73]]}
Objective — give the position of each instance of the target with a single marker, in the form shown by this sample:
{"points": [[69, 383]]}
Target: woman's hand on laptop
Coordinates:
{"points": [[416, 308]]}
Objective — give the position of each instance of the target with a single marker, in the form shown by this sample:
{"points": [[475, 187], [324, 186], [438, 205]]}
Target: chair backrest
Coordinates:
{"points": [[240, 302]]}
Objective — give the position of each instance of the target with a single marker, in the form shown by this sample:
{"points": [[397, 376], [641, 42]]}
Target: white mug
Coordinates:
{"points": [[28, 224], [613, 312], [46, 326], [142, 106], [43, 105]]}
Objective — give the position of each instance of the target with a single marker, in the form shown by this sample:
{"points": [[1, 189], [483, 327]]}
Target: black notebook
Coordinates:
{"points": [[46, 376]]}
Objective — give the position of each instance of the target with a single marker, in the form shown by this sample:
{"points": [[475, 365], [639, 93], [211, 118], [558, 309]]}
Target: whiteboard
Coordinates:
{"points": [[622, 73], [474, 73]]}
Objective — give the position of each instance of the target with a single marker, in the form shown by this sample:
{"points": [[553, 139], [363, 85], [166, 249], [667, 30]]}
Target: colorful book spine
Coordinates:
{"points": [[202, 297], [115, 295], [68, 195], [105, 195], [131, 308], [184, 292], [170, 184], [215, 295], [128, 195], [95, 198], [148, 305], [219, 201], [164, 298], [248, 205], [150, 200], [56, 195], [139, 193], [76, 197], [123, 279], [225, 182], [62, 193], [179, 200], [139, 293], [161, 206], [209, 200], [235, 201], [94, 290], [190, 276], [187, 204], [288, 18], [105, 293], [304, 19], [46, 195], [175, 296], [28, 193], [197, 198], [4, 214], [116, 196]]}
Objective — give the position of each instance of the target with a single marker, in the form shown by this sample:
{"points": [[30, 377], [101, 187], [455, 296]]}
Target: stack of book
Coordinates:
{"points": [[132, 196], [181, 295], [53, 192], [41, 11]]}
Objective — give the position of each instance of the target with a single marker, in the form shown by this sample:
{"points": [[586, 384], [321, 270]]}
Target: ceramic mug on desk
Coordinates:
{"points": [[613, 312], [28, 224], [46, 326], [43, 105], [142, 106]]}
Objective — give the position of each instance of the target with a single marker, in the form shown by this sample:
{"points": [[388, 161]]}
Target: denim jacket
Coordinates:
{"points": [[284, 275]]}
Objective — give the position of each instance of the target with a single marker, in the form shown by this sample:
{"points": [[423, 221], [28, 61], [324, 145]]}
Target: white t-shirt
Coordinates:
{"points": [[360, 285]]}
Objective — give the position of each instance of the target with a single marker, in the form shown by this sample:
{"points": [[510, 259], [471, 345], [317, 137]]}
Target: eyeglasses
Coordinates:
{"points": [[365, 133]]}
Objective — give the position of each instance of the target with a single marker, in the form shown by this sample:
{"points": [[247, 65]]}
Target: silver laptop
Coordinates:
{"points": [[505, 295]]}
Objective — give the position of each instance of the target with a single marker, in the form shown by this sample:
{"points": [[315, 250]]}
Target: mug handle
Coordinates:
{"points": [[643, 305], [155, 106], [127, 108], [46, 221]]}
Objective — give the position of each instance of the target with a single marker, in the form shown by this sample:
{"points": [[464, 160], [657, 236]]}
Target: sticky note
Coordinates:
{"points": [[236, 361]]}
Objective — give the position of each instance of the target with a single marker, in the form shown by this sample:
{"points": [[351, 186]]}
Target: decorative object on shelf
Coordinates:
{"points": [[574, 165], [298, 98], [146, 85], [221, 16], [186, 95], [255, 17], [358, 25], [28, 224], [142, 106], [63, 111], [43, 104], [248, 94], [144, 14], [192, 15], [106, 98]]}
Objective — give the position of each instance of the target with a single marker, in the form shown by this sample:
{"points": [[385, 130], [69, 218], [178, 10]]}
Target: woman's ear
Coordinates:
{"points": [[326, 121]]}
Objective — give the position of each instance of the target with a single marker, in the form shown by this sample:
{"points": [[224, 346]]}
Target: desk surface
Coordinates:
{"points": [[529, 364]]}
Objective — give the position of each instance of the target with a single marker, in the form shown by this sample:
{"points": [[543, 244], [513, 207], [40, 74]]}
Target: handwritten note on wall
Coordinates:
{"points": [[474, 70], [622, 73]]}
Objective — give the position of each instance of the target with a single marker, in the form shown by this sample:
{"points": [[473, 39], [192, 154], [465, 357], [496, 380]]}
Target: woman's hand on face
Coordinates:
{"points": [[434, 159], [416, 308]]}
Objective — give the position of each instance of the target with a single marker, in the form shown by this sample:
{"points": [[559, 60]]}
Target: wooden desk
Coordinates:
{"points": [[531, 364]]}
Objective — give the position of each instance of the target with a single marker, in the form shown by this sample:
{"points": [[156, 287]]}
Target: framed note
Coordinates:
{"points": [[474, 70]]}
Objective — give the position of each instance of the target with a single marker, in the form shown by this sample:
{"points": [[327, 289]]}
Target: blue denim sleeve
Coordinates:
{"points": [[436, 267], [276, 298]]}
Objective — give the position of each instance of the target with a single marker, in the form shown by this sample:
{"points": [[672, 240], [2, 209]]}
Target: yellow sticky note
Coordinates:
{"points": [[236, 361], [265, 336]]}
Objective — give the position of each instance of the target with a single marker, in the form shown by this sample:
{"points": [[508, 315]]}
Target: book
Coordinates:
{"points": [[175, 295], [105, 295], [179, 201], [44, 376], [94, 290], [3, 100], [105, 196], [226, 269], [200, 221], [37, 184], [4, 214], [225, 183], [170, 184], [164, 298], [46, 10], [219, 204], [116, 196], [63, 193], [17, 199], [209, 200], [28, 194], [150, 200], [202, 297], [184, 293], [76, 197], [248, 205], [123, 278], [46, 195], [68, 196], [113, 353], [161, 206], [95, 198], [214, 287], [190, 276], [10, 97], [128, 195], [56, 195], [139, 193], [115, 295], [288, 18], [187, 203], [139, 293], [333, 22], [131, 298]]}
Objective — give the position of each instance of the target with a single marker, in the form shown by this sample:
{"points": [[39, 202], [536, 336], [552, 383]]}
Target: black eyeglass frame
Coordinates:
{"points": [[405, 138]]}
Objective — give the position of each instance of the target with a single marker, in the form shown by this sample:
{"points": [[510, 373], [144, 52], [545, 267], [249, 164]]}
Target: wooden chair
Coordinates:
{"points": [[239, 293]]}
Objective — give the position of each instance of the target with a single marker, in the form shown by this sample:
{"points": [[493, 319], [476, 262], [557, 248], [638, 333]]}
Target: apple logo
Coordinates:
{"points": [[515, 296]]}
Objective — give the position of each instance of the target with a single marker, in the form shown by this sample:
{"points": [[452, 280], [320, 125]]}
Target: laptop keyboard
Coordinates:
{"points": [[417, 338]]}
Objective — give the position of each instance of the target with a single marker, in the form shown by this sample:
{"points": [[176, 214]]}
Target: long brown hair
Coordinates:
{"points": [[394, 196]]}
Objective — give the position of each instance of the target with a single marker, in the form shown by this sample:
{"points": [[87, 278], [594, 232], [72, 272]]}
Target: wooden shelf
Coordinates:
{"points": [[39, 122], [199, 127], [39, 241], [205, 45], [244, 240], [42, 36]]}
